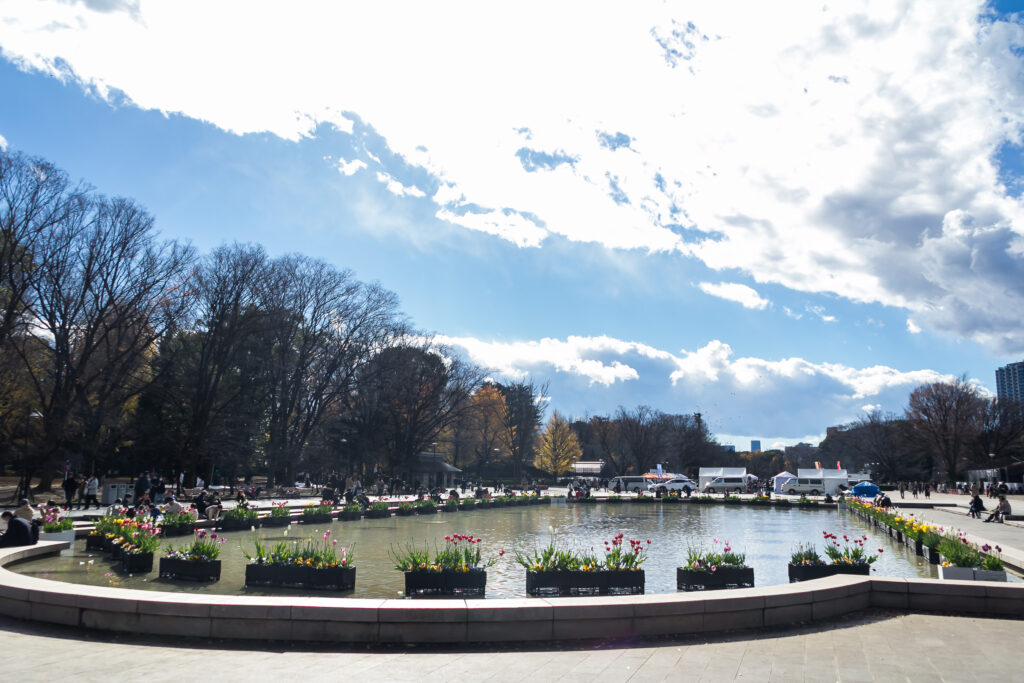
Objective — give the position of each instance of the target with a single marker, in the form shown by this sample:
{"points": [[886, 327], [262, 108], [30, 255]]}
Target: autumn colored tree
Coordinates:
{"points": [[488, 419], [558, 447]]}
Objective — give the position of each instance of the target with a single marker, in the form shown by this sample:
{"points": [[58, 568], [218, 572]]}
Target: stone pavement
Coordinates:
{"points": [[870, 646]]}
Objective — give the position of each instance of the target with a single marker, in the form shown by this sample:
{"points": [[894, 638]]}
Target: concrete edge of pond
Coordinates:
{"points": [[352, 620]]}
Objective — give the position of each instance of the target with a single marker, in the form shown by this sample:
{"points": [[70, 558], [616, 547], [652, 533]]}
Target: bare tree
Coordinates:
{"points": [[323, 326], [643, 437], [1002, 431], [948, 417], [107, 290]]}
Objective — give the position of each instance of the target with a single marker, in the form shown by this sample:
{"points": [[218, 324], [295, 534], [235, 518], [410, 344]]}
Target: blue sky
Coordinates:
{"points": [[778, 228]]}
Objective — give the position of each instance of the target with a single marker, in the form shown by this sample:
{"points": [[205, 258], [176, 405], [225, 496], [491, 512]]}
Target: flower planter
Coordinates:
{"points": [[956, 573], [405, 512], [238, 524], [136, 563], [426, 510], [178, 529], [95, 542], [350, 516], [318, 518], [585, 583], [721, 578], [473, 582], [378, 514], [291, 576], [189, 570], [450, 508], [918, 546], [990, 575], [67, 536], [282, 520], [808, 572], [933, 555]]}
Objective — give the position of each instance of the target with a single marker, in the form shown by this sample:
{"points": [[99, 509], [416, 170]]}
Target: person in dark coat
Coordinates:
{"points": [[19, 532]]}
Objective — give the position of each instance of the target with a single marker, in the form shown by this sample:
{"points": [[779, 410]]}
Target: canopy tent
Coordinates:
{"points": [[780, 480], [588, 468], [865, 489], [706, 474]]}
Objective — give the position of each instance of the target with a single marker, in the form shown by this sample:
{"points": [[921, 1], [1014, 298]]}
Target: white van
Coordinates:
{"points": [[726, 485], [802, 486], [634, 484]]}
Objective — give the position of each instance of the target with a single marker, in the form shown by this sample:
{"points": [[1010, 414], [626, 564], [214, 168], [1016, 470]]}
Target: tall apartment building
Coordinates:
{"points": [[1010, 381]]}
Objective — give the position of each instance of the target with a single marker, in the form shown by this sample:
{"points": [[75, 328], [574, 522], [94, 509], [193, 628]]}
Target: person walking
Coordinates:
{"points": [[903, 489], [91, 488], [70, 485]]}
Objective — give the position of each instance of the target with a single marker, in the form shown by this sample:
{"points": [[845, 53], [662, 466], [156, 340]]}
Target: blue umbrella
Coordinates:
{"points": [[865, 489]]}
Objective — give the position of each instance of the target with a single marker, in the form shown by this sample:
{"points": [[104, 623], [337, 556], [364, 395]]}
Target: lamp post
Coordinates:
{"points": [[24, 490]]}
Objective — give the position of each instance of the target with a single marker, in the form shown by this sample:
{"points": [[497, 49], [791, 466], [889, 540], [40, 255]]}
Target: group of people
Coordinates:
{"points": [[915, 488], [87, 489]]}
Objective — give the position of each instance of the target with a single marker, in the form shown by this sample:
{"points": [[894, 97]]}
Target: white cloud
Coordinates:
{"points": [[741, 294], [350, 167], [820, 312], [3, 144], [912, 327], [397, 188], [737, 395], [843, 149]]}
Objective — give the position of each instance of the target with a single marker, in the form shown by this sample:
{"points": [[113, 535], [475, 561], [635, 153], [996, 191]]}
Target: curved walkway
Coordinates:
{"points": [[871, 646]]}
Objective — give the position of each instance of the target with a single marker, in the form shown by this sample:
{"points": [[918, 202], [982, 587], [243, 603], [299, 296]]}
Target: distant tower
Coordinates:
{"points": [[755, 445], [1010, 382]]}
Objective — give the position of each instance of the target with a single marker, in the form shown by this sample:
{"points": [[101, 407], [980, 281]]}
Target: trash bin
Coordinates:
{"points": [[113, 491]]}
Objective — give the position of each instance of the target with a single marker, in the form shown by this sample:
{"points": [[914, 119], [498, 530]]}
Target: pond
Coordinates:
{"points": [[766, 535]]}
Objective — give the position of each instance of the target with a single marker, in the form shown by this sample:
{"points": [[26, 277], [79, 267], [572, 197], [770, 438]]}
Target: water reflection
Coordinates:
{"points": [[766, 536]]}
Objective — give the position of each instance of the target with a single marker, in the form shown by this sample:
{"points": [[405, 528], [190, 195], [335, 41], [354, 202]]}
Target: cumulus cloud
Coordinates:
{"points": [[350, 167], [3, 144], [913, 327], [738, 395], [849, 149], [397, 188], [741, 294]]}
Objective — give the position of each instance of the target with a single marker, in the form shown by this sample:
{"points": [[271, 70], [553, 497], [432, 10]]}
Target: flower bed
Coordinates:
{"points": [[426, 507], [319, 564], [405, 510], [585, 582], [239, 518], [318, 513], [714, 569], [805, 563], [351, 513], [458, 568], [179, 523], [378, 510]]}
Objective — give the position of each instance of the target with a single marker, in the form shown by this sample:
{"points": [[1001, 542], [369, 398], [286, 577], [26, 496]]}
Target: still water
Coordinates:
{"points": [[766, 536]]}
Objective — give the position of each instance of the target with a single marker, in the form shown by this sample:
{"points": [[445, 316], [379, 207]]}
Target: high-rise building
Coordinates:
{"points": [[1010, 381], [755, 445]]}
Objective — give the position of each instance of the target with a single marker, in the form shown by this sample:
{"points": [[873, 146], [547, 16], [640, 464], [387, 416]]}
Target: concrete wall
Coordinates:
{"points": [[461, 621]]}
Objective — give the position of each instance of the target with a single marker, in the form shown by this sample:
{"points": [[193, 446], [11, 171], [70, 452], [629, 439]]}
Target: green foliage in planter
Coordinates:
{"points": [[240, 513]]}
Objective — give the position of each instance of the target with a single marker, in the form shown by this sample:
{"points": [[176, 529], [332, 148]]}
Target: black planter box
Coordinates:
{"points": [[473, 582], [137, 563], [237, 524], [467, 506], [287, 576], [317, 518], [114, 549], [276, 521], [585, 583], [807, 572], [450, 508], [933, 555], [179, 529], [378, 514], [405, 512], [723, 577], [425, 510], [350, 516], [97, 542], [189, 570]]}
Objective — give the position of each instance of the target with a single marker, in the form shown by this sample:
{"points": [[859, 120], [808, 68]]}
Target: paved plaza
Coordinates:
{"points": [[871, 646]]}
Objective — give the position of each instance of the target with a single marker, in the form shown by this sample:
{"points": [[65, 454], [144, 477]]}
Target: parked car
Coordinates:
{"points": [[726, 485], [680, 484]]}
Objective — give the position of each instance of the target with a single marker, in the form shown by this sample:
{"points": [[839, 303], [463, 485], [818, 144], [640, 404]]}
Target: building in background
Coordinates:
{"points": [[755, 445], [1010, 382]]}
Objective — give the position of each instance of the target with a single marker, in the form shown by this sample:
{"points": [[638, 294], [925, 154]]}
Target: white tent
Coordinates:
{"points": [[780, 480], [706, 474]]}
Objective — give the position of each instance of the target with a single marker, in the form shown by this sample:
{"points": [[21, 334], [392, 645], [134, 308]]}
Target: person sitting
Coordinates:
{"points": [[25, 511], [213, 507], [116, 509], [200, 502], [1001, 510], [976, 507], [19, 531]]}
